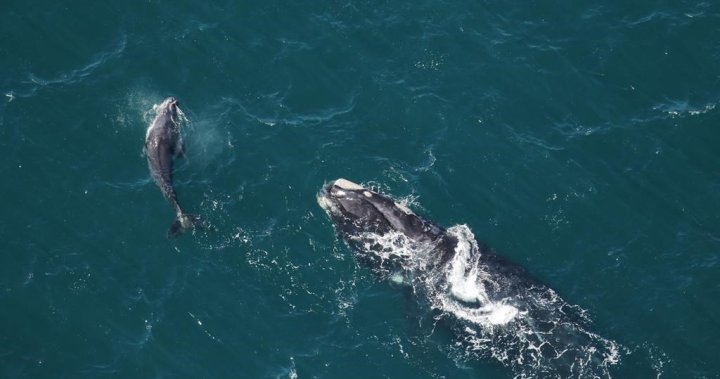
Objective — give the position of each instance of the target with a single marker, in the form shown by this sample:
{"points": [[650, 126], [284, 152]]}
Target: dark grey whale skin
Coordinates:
{"points": [[162, 144]]}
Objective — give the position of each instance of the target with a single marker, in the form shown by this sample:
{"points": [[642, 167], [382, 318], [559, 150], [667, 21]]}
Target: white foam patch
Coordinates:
{"points": [[389, 246], [531, 330], [501, 314], [466, 297], [397, 278]]}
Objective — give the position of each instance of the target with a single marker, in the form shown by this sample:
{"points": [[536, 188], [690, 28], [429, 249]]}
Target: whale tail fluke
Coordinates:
{"points": [[183, 223]]}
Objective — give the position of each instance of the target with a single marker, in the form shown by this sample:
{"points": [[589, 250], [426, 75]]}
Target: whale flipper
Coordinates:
{"points": [[180, 150]]}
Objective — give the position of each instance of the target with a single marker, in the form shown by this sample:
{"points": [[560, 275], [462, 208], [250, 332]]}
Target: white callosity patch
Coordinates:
{"points": [[348, 185], [326, 204]]}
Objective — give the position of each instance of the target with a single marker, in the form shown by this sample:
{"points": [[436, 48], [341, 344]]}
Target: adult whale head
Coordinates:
{"points": [[358, 209], [362, 216]]}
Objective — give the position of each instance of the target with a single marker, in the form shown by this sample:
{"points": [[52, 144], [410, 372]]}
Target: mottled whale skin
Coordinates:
{"points": [[163, 143]]}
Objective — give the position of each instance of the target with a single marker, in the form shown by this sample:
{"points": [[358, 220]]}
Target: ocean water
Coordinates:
{"points": [[579, 140]]}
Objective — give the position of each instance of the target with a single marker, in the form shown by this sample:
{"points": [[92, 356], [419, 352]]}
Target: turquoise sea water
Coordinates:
{"points": [[579, 140]]}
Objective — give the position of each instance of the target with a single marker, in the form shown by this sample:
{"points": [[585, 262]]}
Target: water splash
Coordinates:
{"points": [[496, 309]]}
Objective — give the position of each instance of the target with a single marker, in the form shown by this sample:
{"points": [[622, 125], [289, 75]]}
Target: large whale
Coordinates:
{"points": [[496, 308], [163, 142]]}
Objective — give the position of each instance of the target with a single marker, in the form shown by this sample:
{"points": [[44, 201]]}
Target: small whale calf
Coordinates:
{"points": [[162, 143]]}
